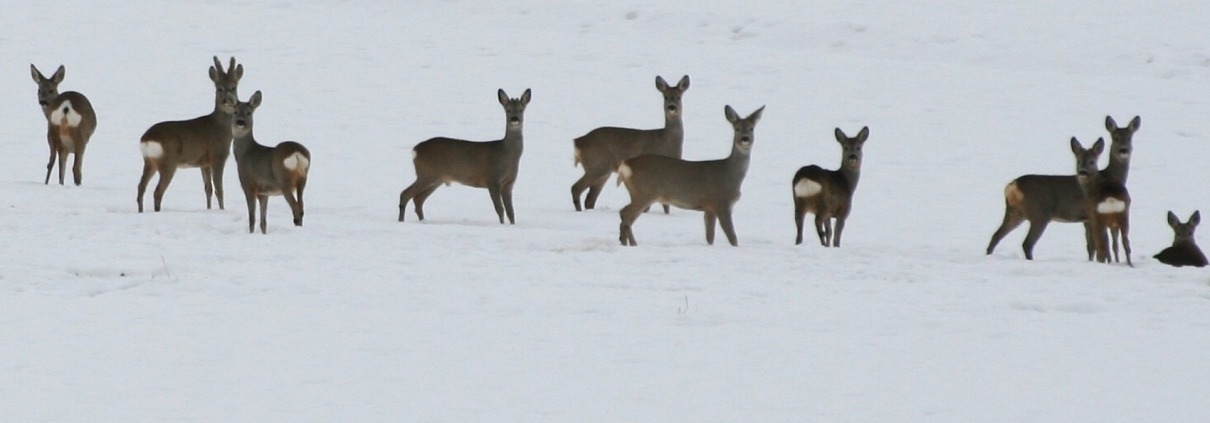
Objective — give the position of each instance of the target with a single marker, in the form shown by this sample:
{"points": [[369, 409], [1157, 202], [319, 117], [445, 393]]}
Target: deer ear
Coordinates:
{"points": [[255, 100], [502, 96], [1075, 146], [33, 71], [1099, 146], [1173, 221], [525, 97], [731, 115], [1134, 124], [1110, 124], [684, 84], [864, 134], [59, 74], [660, 83], [755, 116], [840, 136], [1196, 218]]}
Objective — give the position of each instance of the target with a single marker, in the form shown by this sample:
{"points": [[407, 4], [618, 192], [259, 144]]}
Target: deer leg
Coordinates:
{"points": [[412, 191], [629, 214], [302, 183], [594, 191], [1011, 221], [800, 214], [148, 170], [250, 197], [166, 174], [724, 220], [710, 219], [1126, 238], [295, 206], [50, 164], [578, 188], [421, 198], [264, 210], [506, 196], [822, 228], [1036, 227], [207, 181], [839, 228], [1089, 244], [62, 166], [216, 175], [494, 190], [77, 166]]}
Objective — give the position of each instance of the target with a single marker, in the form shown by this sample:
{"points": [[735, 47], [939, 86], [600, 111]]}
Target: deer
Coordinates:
{"points": [[1041, 199], [492, 164], [70, 122], [712, 187], [203, 142], [265, 171], [829, 193], [1184, 250], [601, 150], [1106, 202]]}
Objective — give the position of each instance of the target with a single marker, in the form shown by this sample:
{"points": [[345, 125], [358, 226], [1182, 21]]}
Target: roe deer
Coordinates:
{"points": [[708, 186], [601, 150], [829, 193], [492, 165], [1106, 202], [264, 170], [1041, 199], [203, 142], [70, 122], [1184, 250]]}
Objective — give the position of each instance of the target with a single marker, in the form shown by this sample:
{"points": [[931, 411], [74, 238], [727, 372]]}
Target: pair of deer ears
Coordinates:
{"points": [[1111, 125], [56, 78], [503, 97], [234, 72], [662, 85], [734, 117], [1097, 147], [1194, 219], [861, 135]]}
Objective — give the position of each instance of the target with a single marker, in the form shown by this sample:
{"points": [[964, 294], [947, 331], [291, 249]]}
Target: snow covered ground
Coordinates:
{"points": [[111, 315]]}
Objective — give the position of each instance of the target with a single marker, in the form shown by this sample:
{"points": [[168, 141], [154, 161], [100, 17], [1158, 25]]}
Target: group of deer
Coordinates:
{"points": [[648, 162], [1096, 197], [203, 142]]}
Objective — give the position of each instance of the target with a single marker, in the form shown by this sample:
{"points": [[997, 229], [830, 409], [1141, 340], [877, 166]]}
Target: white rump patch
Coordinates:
{"points": [[413, 154], [65, 111], [807, 188], [577, 157], [151, 149], [624, 171], [297, 162], [1111, 205]]}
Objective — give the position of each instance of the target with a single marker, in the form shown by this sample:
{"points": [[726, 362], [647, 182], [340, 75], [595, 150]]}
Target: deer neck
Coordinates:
{"points": [[674, 130], [243, 144], [513, 141], [1117, 168], [737, 162]]}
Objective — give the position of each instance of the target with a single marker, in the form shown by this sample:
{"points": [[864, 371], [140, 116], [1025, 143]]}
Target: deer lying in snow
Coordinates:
{"points": [[1184, 250]]}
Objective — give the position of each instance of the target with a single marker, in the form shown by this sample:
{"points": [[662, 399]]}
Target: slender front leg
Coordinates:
{"points": [[839, 229], [264, 210], [207, 181], [724, 220], [710, 219], [250, 197], [506, 196], [494, 190]]}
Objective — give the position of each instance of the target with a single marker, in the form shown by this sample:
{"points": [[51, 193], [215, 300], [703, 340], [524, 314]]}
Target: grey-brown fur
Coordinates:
{"points": [[265, 171], [711, 186], [829, 193], [1184, 250], [63, 137], [1041, 199], [203, 142], [1099, 193], [492, 165], [601, 150]]}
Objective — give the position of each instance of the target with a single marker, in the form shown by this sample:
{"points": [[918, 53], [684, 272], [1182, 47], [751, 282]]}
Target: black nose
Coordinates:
{"points": [[672, 108], [852, 157], [514, 120], [43, 102], [241, 123]]}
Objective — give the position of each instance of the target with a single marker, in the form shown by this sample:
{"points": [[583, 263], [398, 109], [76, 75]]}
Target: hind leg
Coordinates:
{"points": [[1036, 228], [148, 170], [629, 214], [166, 175], [1011, 221], [77, 166], [50, 164], [412, 191], [800, 214], [594, 191], [710, 219]]}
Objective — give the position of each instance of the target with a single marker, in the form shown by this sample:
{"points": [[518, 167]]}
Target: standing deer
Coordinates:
{"points": [[601, 150], [1106, 202], [1184, 250], [829, 193], [265, 171], [70, 122], [492, 165], [709, 186], [1041, 199], [203, 142]]}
